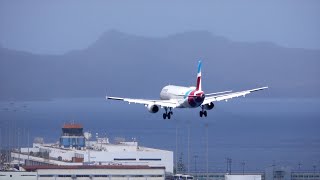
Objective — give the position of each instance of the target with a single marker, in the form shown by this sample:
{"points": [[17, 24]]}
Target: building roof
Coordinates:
{"points": [[72, 126], [34, 168]]}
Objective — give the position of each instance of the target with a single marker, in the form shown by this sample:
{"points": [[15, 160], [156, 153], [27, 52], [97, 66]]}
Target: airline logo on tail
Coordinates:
{"points": [[199, 76]]}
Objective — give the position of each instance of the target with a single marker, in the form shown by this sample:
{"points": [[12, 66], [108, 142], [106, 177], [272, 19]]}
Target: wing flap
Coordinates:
{"points": [[162, 103], [228, 96]]}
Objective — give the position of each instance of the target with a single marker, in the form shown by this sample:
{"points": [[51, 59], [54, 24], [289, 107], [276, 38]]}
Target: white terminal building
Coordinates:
{"points": [[75, 148]]}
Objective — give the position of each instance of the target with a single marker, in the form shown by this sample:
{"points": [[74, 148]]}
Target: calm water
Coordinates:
{"points": [[256, 131]]}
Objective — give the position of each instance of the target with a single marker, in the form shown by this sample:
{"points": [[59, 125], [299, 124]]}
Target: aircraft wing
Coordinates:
{"points": [[162, 103], [231, 95]]}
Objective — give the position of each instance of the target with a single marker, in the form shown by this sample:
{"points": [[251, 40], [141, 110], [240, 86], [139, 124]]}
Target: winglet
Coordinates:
{"points": [[107, 97]]}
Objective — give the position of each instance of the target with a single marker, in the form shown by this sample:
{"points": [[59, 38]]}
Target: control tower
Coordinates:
{"points": [[72, 136]]}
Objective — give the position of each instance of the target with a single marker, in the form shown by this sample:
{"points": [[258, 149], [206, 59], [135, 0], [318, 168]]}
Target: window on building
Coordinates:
{"points": [[63, 175], [46, 175], [81, 175], [101, 175], [156, 176], [119, 176], [124, 159], [150, 159]]}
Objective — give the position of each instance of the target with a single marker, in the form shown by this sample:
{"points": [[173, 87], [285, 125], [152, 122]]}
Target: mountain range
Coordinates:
{"points": [[126, 65]]}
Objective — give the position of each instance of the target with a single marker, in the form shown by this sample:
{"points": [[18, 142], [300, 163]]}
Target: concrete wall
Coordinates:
{"points": [[17, 175], [242, 177]]}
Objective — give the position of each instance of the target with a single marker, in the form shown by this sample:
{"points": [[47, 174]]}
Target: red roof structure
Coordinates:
{"points": [[72, 126]]}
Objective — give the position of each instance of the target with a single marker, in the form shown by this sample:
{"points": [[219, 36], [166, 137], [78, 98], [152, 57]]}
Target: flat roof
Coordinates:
{"points": [[33, 168]]}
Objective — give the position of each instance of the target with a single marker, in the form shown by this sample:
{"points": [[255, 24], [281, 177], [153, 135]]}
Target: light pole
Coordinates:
{"points": [[273, 165], [18, 147], [243, 164], [195, 163], [188, 147], [299, 166], [207, 148], [176, 149], [314, 171]]}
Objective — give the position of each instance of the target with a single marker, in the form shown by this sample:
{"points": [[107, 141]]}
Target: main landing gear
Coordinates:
{"points": [[167, 114], [203, 112]]}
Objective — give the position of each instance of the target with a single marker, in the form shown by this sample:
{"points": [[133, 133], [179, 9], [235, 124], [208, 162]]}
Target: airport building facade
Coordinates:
{"points": [[75, 149], [75, 156]]}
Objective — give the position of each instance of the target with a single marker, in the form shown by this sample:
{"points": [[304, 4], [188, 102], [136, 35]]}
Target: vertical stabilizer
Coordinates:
{"points": [[199, 88]]}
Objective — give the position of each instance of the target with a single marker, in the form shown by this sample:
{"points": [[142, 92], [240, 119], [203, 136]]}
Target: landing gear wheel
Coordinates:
{"points": [[170, 112], [165, 116], [203, 112]]}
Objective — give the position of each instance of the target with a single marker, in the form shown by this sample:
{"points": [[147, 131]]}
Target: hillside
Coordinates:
{"points": [[128, 65]]}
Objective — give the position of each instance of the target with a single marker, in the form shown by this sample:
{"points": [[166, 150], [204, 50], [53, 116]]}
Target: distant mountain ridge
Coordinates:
{"points": [[135, 66]]}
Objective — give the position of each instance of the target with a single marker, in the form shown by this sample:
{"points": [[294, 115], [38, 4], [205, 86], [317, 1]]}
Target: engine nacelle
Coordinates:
{"points": [[153, 108], [209, 106]]}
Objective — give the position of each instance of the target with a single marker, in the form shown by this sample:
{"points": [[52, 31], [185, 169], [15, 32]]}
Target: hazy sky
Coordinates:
{"points": [[252, 129], [43, 26]]}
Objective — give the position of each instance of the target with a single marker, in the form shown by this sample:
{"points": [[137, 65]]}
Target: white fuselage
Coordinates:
{"points": [[188, 97]]}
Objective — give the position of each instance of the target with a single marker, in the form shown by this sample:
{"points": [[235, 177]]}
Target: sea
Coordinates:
{"points": [[255, 133]]}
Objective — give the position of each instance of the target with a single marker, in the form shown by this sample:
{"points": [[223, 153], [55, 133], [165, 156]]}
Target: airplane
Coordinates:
{"points": [[172, 96]]}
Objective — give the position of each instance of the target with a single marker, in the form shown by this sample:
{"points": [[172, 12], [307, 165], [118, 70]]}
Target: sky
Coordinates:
{"points": [[56, 27], [284, 129]]}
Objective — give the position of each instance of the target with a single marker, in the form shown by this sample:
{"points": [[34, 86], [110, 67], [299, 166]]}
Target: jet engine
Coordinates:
{"points": [[153, 108], [208, 106]]}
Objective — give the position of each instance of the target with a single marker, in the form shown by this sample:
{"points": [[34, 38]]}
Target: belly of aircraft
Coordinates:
{"points": [[180, 94]]}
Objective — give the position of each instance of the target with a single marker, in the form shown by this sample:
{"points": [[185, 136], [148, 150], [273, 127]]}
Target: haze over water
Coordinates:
{"points": [[256, 131]]}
